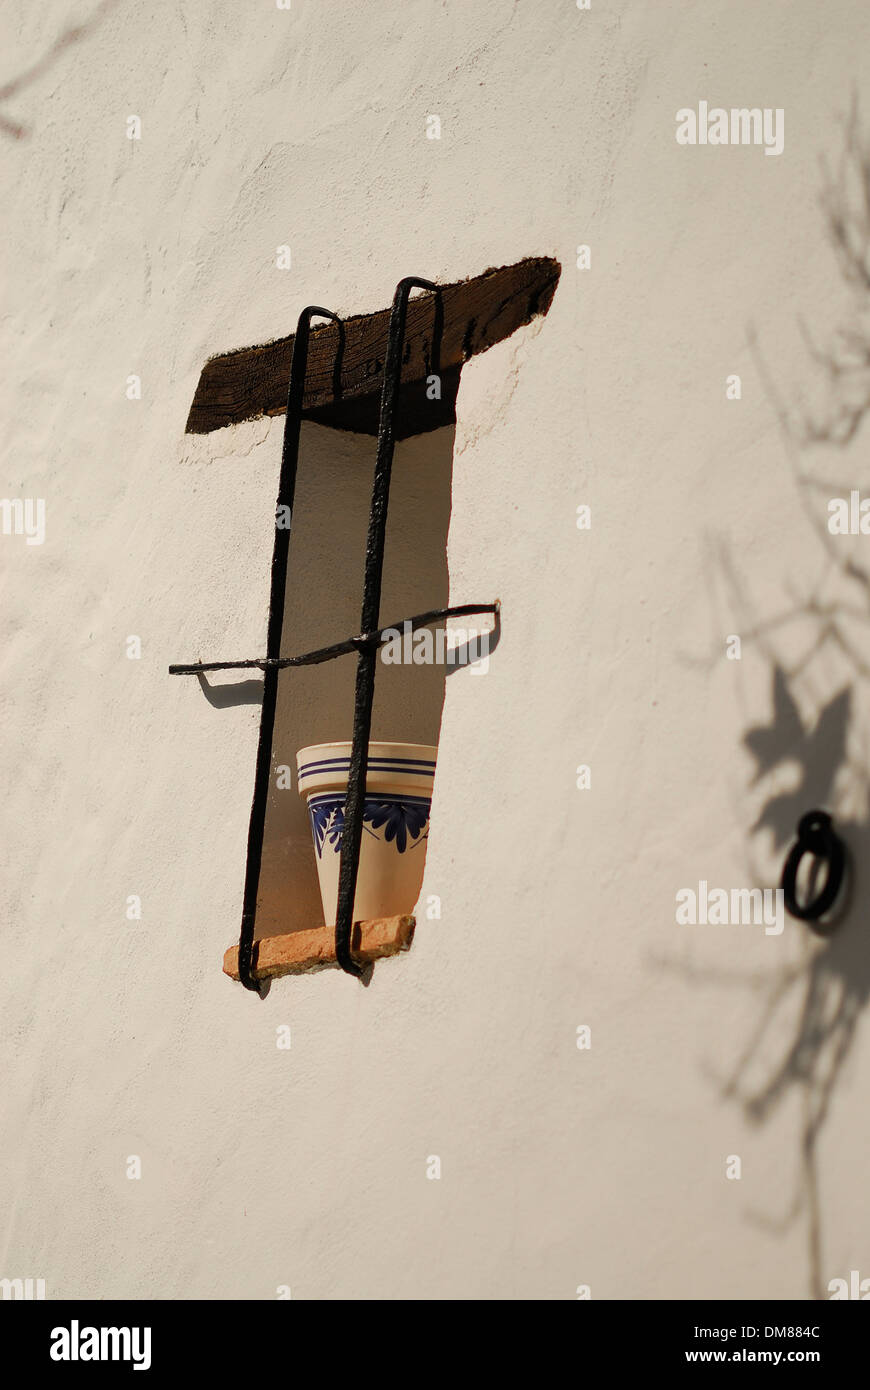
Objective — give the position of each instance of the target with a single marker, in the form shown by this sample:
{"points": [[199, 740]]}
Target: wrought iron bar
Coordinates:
{"points": [[278, 584], [374, 567], [345, 648]]}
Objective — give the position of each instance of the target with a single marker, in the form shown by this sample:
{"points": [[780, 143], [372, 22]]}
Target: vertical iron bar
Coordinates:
{"points": [[280, 554], [351, 838]]}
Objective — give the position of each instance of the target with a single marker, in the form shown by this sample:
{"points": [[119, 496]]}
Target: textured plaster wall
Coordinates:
{"points": [[264, 1167]]}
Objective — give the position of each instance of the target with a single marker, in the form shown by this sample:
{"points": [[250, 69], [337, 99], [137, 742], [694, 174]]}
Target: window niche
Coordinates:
{"points": [[393, 375]]}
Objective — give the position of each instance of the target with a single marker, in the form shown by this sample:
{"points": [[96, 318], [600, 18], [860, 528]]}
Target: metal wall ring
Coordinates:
{"points": [[815, 836]]}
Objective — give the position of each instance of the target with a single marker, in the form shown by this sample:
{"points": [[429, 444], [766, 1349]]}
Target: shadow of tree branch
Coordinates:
{"points": [[810, 1011], [73, 34]]}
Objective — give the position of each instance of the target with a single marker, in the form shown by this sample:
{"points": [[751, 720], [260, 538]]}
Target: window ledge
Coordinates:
{"points": [[303, 952]]}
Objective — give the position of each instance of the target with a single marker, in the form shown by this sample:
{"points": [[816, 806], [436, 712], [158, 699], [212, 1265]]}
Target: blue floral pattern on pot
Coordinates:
{"points": [[402, 822], [327, 821]]}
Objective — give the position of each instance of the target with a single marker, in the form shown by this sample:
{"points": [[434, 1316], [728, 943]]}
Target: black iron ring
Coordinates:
{"points": [[816, 836]]}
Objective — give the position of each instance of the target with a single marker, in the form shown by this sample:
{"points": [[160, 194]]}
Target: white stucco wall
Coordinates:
{"points": [[264, 1167]]}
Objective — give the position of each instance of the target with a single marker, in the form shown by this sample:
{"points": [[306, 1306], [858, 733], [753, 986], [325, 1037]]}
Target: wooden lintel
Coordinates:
{"points": [[302, 952], [479, 312]]}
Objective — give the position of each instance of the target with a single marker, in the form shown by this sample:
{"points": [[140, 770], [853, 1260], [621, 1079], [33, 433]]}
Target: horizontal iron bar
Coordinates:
{"points": [[350, 644]]}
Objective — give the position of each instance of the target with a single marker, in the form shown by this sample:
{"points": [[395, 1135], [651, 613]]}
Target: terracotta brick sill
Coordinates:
{"points": [[303, 952]]}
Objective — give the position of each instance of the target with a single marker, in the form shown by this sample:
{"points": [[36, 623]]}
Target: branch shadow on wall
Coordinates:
{"points": [[824, 995], [810, 753], [69, 36], [833, 982], [810, 1009]]}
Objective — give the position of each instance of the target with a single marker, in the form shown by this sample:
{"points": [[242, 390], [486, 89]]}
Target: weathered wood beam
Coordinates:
{"points": [[302, 952], [253, 381]]}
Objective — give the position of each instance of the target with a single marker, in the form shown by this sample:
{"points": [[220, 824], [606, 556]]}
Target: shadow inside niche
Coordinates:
{"points": [[323, 602]]}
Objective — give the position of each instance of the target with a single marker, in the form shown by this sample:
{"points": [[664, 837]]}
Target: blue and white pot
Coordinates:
{"points": [[395, 823]]}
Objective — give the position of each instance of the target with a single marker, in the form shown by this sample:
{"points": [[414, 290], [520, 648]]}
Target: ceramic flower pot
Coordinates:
{"points": [[395, 823]]}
